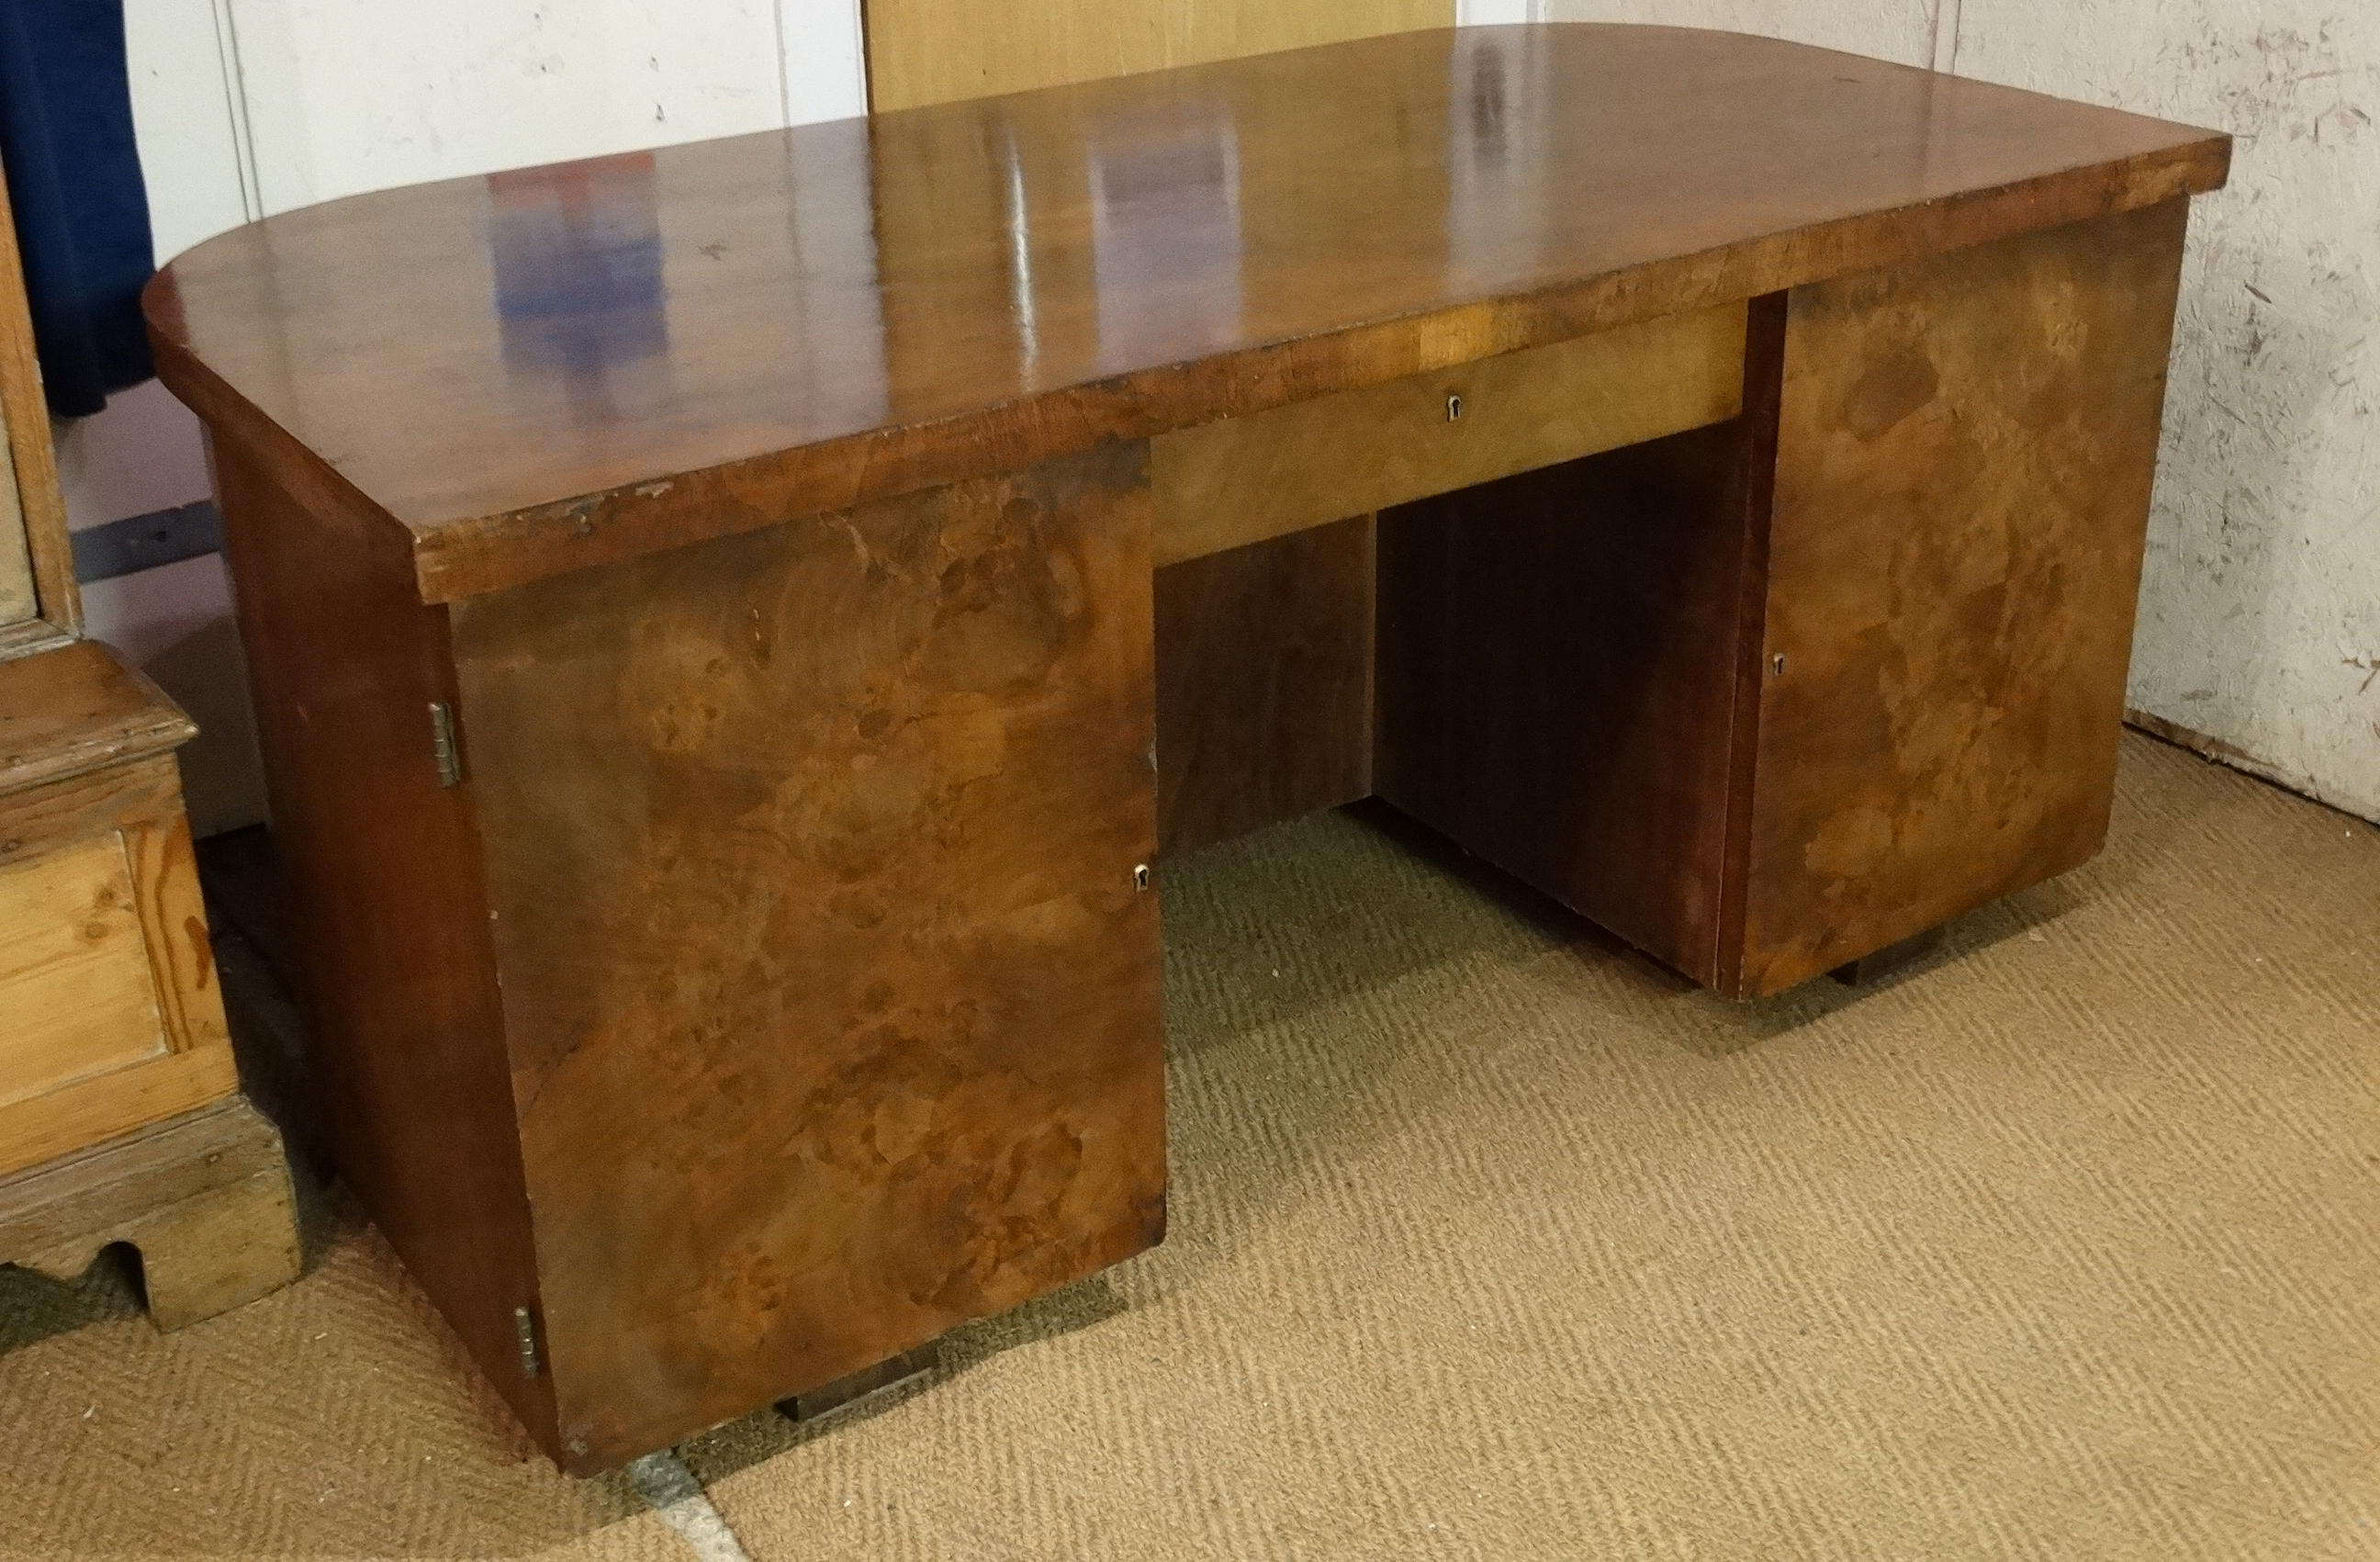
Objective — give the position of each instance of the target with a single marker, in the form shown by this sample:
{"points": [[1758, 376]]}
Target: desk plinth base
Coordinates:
{"points": [[869, 1385]]}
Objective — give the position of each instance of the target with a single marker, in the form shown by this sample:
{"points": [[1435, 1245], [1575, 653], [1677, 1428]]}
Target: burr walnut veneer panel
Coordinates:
{"points": [[1964, 452], [831, 991]]}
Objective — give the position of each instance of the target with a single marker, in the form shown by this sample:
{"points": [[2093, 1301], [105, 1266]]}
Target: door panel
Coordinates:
{"points": [[1965, 447], [831, 999], [941, 51]]}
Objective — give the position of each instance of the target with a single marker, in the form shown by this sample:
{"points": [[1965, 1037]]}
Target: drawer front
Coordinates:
{"points": [[1243, 480], [74, 970]]}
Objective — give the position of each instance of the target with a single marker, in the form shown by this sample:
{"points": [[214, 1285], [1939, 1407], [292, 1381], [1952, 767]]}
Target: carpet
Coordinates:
{"points": [[1493, 1239]]}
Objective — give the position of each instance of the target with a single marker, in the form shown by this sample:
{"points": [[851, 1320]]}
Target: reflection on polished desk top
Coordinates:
{"points": [[525, 369]]}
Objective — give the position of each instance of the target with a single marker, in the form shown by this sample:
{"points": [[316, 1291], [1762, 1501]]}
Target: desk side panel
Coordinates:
{"points": [[1965, 450], [1264, 683], [833, 1003], [380, 868], [1557, 664]]}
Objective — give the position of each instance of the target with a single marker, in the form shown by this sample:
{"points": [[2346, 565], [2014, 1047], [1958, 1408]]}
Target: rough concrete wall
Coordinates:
{"points": [[2260, 612]]}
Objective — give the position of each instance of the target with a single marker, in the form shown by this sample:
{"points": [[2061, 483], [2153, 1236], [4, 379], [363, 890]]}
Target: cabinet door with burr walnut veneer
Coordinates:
{"points": [[726, 665]]}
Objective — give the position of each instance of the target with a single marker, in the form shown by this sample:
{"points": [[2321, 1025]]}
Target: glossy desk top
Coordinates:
{"points": [[540, 369]]}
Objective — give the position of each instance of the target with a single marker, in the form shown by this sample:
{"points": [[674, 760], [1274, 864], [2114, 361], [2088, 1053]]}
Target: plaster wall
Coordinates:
{"points": [[2260, 611]]}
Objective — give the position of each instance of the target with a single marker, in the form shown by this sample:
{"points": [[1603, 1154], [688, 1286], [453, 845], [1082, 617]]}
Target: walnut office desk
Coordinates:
{"points": [[732, 626]]}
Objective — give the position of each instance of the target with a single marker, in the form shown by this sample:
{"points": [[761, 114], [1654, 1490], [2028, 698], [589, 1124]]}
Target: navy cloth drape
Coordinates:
{"points": [[74, 178]]}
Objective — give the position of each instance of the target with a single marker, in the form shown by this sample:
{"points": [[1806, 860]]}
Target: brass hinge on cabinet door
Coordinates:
{"points": [[525, 1332], [444, 751]]}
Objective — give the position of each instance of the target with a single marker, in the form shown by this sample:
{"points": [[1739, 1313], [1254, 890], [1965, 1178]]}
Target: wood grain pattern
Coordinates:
{"points": [[174, 926], [541, 371], [1558, 670], [107, 978], [18, 599], [31, 473], [832, 1002], [1964, 455], [98, 802], [386, 897], [1264, 683], [78, 708], [1242, 479], [204, 1198], [924, 52], [71, 1116], [74, 970]]}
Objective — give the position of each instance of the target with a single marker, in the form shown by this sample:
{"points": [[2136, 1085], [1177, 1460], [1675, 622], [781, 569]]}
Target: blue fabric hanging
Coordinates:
{"points": [[74, 178]]}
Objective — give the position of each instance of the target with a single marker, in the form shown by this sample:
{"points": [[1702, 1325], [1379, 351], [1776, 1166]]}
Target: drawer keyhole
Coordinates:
{"points": [[1453, 408]]}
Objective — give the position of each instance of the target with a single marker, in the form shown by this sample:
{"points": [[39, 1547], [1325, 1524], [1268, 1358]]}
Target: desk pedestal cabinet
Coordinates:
{"points": [[1775, 694], [733, 935]]}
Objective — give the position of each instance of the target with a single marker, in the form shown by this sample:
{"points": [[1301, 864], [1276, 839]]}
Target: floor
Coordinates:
{"points": [[1492, 1241]]}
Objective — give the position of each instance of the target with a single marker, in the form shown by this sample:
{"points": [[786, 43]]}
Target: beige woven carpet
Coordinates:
{"points": [[1489, 1240]]}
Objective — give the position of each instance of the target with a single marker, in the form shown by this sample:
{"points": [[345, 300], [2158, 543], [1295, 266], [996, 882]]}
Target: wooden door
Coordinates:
{"points": [[1964, 451], [940, 51], [830, 984]]}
